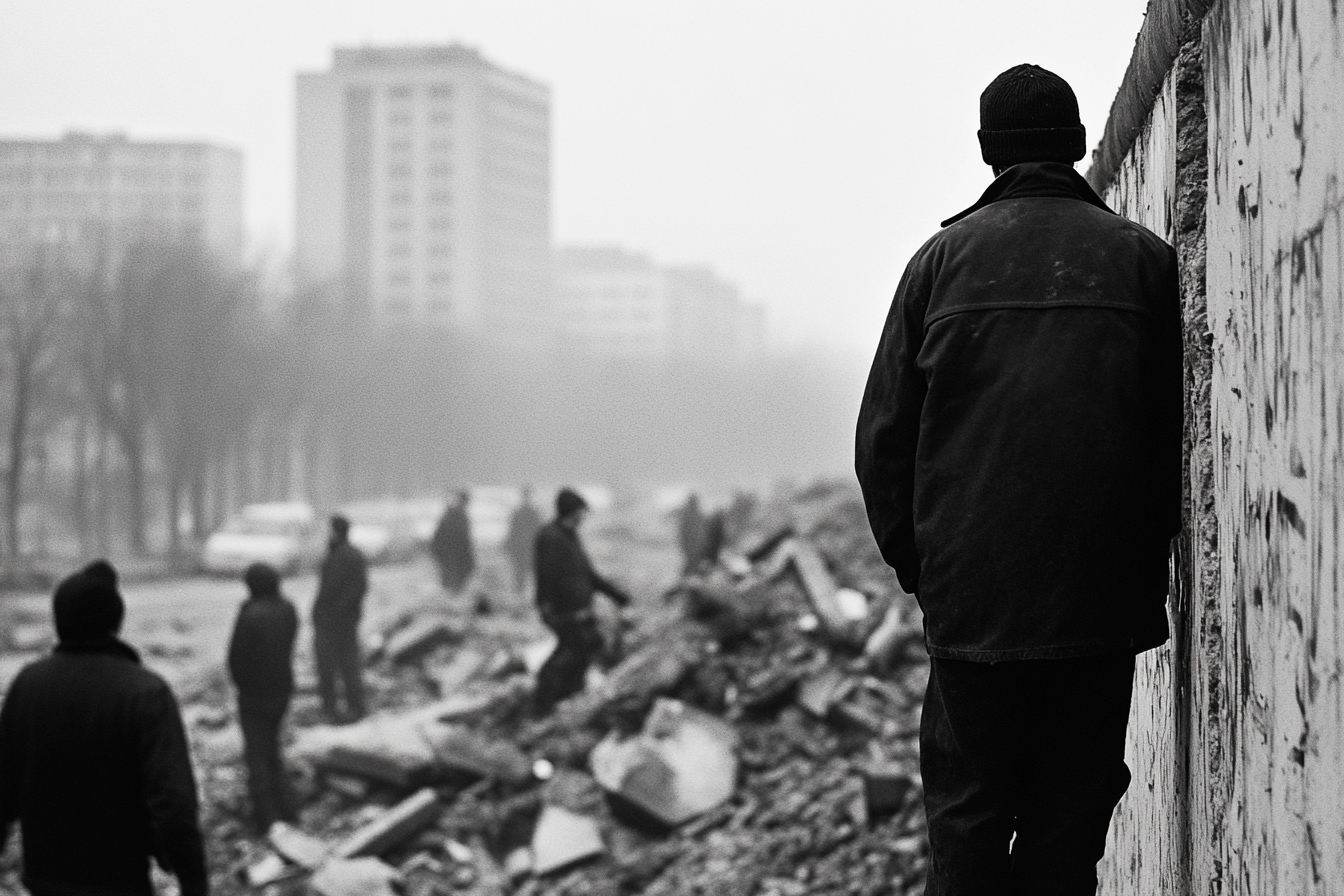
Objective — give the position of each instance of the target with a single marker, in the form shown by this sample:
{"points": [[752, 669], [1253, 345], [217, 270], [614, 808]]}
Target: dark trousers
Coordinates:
{"points": [[267, 784], [1028, 751], [336, 654], [563, 673]]}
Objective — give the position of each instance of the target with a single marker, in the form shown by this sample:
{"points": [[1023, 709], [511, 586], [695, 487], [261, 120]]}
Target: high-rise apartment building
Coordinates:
{"points": [[88, 190], [423, 188], [612, 303]]}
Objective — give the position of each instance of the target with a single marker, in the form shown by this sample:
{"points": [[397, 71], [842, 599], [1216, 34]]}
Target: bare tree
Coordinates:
{"points": [[33, 316]]}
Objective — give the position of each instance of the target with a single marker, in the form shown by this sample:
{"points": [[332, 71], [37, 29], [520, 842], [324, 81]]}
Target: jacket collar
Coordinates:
{"points": [[110, 645], [1032, 180]]}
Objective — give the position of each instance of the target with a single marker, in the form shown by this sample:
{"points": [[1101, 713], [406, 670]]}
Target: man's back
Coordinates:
{"points": [[94, 763], [343, 581], [1033, 356]]}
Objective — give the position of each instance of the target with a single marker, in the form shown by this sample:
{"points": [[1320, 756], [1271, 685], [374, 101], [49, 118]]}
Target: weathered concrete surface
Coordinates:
{"points": [[1236, 741]]}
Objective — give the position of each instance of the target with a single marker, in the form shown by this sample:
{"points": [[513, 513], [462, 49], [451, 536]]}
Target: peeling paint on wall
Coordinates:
{"points": [[1237, 733]]}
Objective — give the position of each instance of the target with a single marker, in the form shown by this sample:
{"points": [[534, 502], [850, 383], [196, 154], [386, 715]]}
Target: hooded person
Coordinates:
{"points": [[94, 764], [1019, 450], [261, 664]]}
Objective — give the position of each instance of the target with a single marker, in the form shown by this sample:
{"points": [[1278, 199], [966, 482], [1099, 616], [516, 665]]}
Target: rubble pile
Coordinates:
{"points": [[742, 741]]}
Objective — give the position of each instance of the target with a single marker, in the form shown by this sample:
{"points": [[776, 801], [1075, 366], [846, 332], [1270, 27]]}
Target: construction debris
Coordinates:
{"points": [[563, 838], [407, 819], [732, 746]]}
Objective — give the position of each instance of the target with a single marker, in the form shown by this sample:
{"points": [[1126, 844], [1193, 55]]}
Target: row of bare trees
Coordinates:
{"points": [[148, 390]]}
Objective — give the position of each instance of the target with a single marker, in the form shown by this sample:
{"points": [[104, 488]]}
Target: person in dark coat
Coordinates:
{"points": [[94, 763], [337, 609], [690, 533], [566, 581], [261, 654], [1019, 450], [451, 545], [523, 528]]}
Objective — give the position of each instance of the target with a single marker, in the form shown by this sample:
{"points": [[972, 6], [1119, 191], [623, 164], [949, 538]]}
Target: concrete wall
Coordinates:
{"points": [[1237, 734]]}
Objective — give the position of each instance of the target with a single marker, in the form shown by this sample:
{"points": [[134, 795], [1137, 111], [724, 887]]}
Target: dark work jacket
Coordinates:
{"points": [[261, 654], [566, 579], [341, 586], [94, 766], [1019, 441]]}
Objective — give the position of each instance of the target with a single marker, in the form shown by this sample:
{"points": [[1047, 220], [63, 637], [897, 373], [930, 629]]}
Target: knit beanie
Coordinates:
{"points": [[1028, 114], [87, 604], [568, 501]]}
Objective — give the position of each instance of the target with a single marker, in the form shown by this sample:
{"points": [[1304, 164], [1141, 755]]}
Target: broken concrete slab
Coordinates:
{"points": [[398, 824], [563, 838], [465, 665], [387, 749], [461, 749], [269, 869], [414, 641], [302, 849], [354, 877], [821, 692], [682, 764]]}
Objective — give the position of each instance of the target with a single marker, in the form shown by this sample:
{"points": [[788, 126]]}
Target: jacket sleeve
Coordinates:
{"points": [[170, 795], [242, 649], [887, 433], [604, 585]]}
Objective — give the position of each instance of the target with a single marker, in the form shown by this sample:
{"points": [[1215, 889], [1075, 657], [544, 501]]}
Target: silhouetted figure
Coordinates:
{"points": [[690, 533], [713, 537], [519, 544], [1019, 449], [566, 581], [261, 654], [336, 612], [93, 758], [451, 545]]}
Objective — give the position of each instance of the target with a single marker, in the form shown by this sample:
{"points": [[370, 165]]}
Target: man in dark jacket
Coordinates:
{"points": [[690, 533], [93, 759], [451, 545], [1019, 449], [523, 528], [261, 654], [566, 581], [336, 612]]}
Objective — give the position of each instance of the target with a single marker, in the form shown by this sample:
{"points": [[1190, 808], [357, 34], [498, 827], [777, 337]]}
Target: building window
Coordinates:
{"points": [[398, 223], [441, 170], [439, 91], [398, 198], [400, 92], [399, 170], [439, 224], [399, 278], [398, 250], [440, 197], [440, 278], [439, 250]]}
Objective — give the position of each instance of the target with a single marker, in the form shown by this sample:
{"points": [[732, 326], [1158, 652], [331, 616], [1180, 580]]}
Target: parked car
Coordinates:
{"points": [[285, 534]]}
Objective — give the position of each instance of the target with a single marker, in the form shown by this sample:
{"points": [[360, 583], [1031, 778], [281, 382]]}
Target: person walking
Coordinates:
{"points": [[261, 654], [94, 764], [451, 545], [1019, 450], [523, 528], [337, 609], [566, 581]]}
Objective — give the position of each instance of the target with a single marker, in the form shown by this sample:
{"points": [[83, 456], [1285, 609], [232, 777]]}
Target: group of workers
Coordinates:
{"points": [[94, 760]]}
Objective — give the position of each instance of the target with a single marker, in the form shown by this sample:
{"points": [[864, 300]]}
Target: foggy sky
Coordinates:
{"points": [[804, 149]]}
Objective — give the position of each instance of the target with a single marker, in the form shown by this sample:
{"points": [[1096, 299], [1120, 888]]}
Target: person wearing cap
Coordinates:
{"points": [[337, 608], [261, 654], [94, 763], [566, 581], [1019, 450], [451, 545]]}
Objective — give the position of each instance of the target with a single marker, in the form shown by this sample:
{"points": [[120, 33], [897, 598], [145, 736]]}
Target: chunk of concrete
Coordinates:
{"points": [[820, 693], [302, 849], [461, 749], [462, 668], [390, 750], [269, 869], [397, 825], [563, 838], [409, 644], [354, 877], [682, 764]]}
